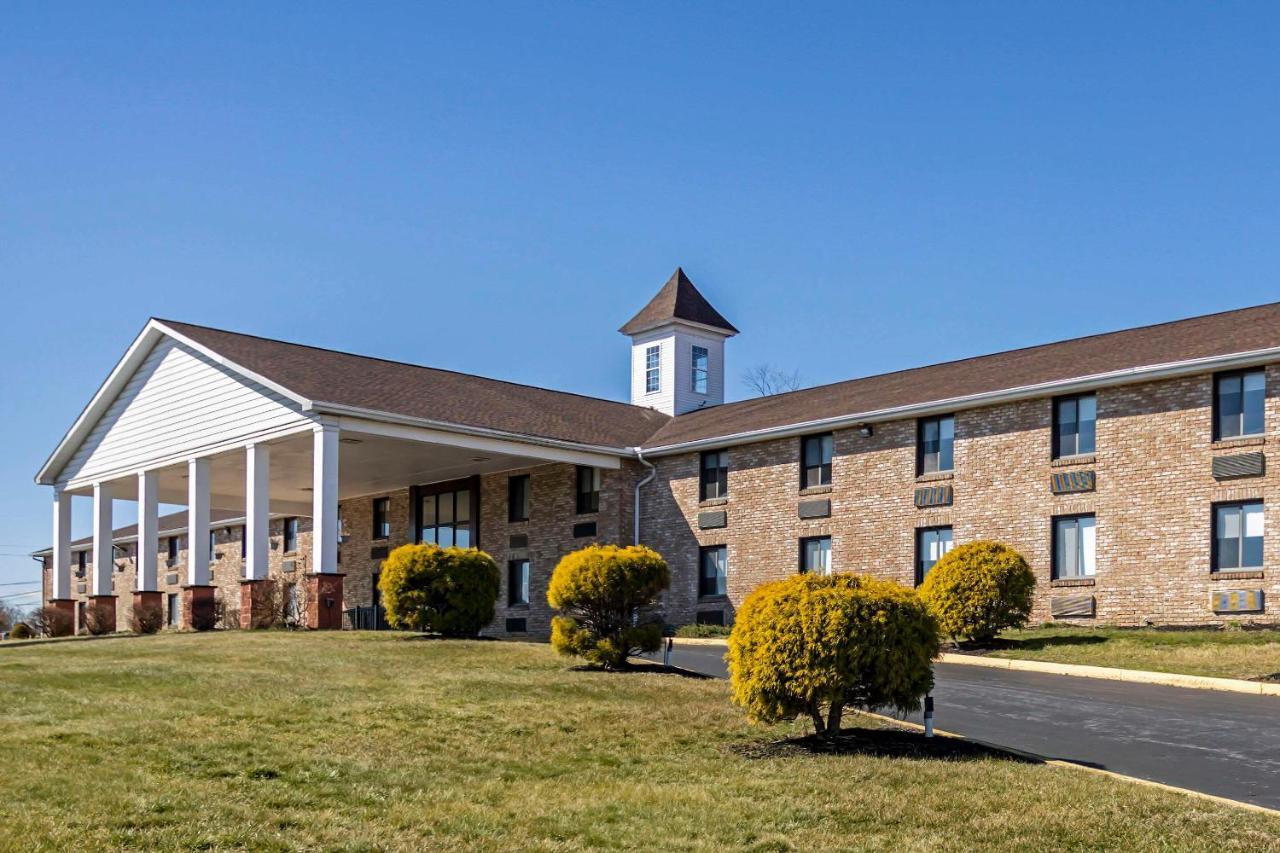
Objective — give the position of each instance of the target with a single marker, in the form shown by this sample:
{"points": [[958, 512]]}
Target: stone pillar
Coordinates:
{"points": [[254, 595], [324, 585], [60, 600], [197, 594]]}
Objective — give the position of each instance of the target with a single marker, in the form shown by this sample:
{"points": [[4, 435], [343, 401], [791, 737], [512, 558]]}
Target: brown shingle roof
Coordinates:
{"points": [[677, 300], [1226, 333], [410, 390]]}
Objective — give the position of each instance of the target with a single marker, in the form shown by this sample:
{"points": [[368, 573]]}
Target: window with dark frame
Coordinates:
{"points": [[1237, 536], [173, 549], [815, 460], [588, 489], [652, 369], [382, 518], [82, 558], [1074, 425], [700, 362], [713, 572], [815, 555], [290, 535], [517, 583], [1074, 546], [935, 445], [931, 544], [715, 475], [213, 544], [1239, 404], [175, 610], [244, 541], [446, 519], [518, 498]]}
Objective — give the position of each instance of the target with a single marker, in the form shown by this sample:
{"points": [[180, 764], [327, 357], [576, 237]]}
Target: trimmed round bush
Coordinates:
{"points": [[451, 591], [816, 644], [21, 631], [978, 590], [603, 592]]}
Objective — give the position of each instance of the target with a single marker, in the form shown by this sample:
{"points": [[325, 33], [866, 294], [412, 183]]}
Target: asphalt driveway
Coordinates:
{"points": [[1226, 744]]}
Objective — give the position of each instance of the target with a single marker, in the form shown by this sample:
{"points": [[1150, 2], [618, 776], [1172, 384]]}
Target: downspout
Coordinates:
{"points": [[653, 472]]}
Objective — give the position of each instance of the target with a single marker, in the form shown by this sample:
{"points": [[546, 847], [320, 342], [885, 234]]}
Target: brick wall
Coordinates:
{"points": [[1152, 503]]}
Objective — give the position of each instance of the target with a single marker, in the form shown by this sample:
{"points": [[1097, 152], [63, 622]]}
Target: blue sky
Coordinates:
{"points": [[496, 188]]}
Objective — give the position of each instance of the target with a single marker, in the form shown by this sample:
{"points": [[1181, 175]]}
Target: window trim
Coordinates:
{"points": [[920, 422], [654, 372], [1213, 535], [722, 475], [804, 540], [1055, 569], [512, 516], [694, 372], [702, 553], [527, 581], [1216, 433], [826, 468], [918, 536], [1056, 435]]}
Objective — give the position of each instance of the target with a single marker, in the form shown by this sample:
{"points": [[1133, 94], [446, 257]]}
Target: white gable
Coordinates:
{"points": [[177, 402]]}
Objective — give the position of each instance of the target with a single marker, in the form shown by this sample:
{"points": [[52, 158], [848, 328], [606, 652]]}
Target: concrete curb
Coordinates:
{"points": [[1106, 673], [1103, 673]]}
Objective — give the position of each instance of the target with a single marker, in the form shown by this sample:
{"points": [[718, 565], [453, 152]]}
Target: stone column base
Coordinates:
{"points": [[148, 611], [62, 621], [100, 617], [197, 608], [324, 601], [257, 604]]}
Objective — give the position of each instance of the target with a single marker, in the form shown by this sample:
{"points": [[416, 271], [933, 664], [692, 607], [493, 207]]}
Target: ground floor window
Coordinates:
{"points": [[815, 554], [713, 574], [1074, 546], [931, 544], [175, 610], [518, 583], [1237, 536]]}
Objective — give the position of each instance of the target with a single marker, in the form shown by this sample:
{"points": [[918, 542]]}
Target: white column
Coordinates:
{"points": [[257, 502], [148, 531], [61, 544], [103, 554], [198, 522], [324, 497]]}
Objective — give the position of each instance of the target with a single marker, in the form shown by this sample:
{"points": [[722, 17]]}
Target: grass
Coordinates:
{"points": [[1252, 654], [382, 741]]}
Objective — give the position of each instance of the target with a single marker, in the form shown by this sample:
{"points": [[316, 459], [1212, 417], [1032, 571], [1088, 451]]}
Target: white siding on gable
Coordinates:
{"points": [[686, 398], [178, 401], [664, 398]]}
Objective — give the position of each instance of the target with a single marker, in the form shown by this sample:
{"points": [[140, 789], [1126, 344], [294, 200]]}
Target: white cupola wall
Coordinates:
{"points": [[677, 350]]}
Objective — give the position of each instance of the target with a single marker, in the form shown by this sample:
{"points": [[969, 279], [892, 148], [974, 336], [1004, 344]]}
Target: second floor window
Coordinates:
{"points": [[1074, 546], [935, 444], [713, 574], [82, 558], [1239, 402], [588, 489], [815, 555], [652, 369], [290, 535], [173, 549], [213, 544], [815, 460], [244, 542], [700, 359], [1237, 536], [518, 583], [1074, 422], [931, 544], [715, 475], [518, 498], [381, 518]]}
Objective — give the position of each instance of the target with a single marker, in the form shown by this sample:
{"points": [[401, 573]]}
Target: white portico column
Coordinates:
{"points": [[254, 602], [148, 531], [197, 595], [101, 618], [324, 599], [61, 580]]}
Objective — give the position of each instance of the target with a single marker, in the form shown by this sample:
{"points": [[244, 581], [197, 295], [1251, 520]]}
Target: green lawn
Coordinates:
{"points": [[1224, 654], [383, 741]]}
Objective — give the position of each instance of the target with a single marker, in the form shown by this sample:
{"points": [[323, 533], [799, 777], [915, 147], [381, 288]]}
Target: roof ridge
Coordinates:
{"points": [[401, 363], [1011, 351]]}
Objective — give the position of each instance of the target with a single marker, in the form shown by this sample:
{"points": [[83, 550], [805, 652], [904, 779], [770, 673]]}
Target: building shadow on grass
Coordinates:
{"points": [[644, 668], [879, 743], [1033, 644]]}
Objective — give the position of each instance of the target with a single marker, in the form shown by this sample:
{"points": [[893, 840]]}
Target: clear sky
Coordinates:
{"points": [[496, 188]]}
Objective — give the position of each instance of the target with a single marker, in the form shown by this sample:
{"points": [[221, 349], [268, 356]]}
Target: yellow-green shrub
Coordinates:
{"points": [[604, 592], [451, 591], [21, 631], [815, 644], [979, 589]]}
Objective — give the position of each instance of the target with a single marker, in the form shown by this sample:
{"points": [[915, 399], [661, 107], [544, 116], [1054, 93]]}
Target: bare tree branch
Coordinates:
{"points": [[767, 380]]}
